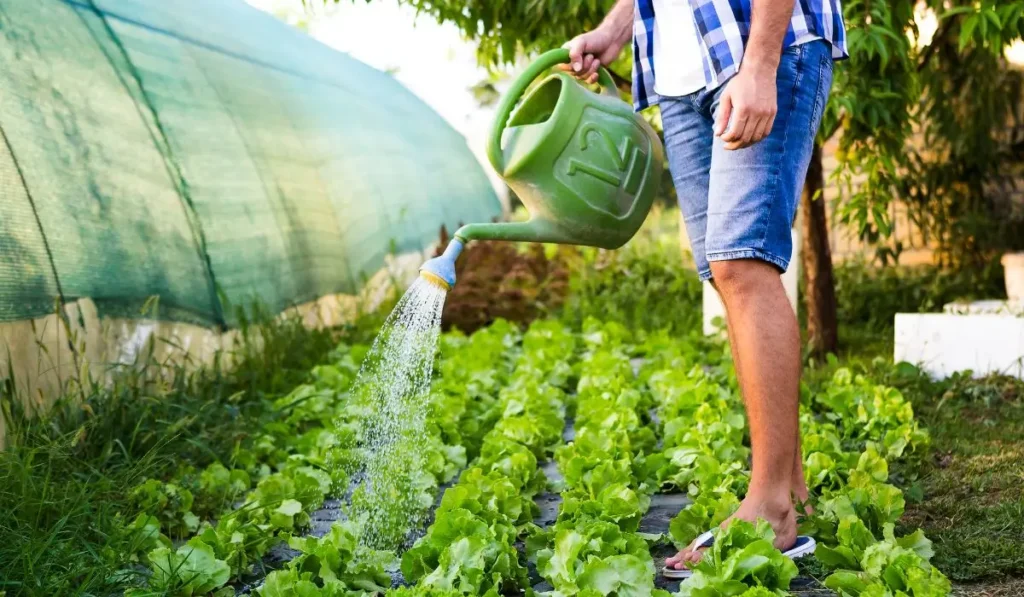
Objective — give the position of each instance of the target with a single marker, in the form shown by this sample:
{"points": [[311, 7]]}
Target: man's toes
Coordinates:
{"points": [[677, 560]]}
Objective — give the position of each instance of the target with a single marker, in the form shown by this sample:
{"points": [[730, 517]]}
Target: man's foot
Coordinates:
{"points": [[782, 517]]}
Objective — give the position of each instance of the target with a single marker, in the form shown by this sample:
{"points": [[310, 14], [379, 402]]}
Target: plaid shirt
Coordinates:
{"points": [[724, 26]]}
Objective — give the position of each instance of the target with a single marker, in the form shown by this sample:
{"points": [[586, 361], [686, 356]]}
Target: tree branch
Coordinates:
{"points": [[940, 34]]}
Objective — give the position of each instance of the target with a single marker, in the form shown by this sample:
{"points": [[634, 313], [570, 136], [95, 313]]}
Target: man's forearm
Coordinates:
{"points": [[768, 25], [619, 21]]}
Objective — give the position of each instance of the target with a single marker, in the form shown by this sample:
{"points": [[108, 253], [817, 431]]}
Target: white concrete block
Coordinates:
{"points": [[712, 303], [989, 307], [942, 344]]}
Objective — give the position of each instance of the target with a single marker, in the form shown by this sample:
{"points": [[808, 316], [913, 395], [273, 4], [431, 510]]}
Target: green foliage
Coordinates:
{"points": [[742, 556], [964, 103], [470, 547], [497, 408], [171, 504], [218, 487], [865, 411], [869, 297], [422, 591], [192, 569], [337, 559], [593, 548], [571, 546], [505, 29], [852, 429], [969, 499], [71, 524], [644, 285], [706, 512], [889, 566]]}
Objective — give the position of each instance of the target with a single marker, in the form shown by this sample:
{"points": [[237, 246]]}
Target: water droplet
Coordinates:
{"points": [[393, 386]]}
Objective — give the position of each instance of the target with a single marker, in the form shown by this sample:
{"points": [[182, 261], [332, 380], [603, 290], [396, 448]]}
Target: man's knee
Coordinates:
{"points": [[742, 277]]}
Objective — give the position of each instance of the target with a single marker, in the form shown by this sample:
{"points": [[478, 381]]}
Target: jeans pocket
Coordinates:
{"points": [[821, 93]]}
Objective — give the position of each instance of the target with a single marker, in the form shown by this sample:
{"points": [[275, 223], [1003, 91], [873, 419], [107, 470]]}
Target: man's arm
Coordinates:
{"points": [[601, 46], [749, 99]]}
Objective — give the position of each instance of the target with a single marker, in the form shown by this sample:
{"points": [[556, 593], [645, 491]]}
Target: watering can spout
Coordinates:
{"points": [[440, 270], [530, 231]]}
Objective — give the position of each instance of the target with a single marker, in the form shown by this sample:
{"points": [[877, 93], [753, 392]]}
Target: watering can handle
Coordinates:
{"points": [[508, 103]]}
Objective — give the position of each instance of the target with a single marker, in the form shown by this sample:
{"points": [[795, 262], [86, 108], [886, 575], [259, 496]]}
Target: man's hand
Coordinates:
{"points": [[589, 51], [747, 108]]}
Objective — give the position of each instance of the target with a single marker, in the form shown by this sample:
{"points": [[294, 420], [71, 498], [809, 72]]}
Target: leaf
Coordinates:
{"points": [[707, 512], [559, 565], [849, 584], [283, 516], [839, 556], [873, 464], [952, 12], [193, 567], [288, 583], [883, 51], [917, 542], [623, 575], [967, 30], [741, 556], [993, 17], [818, 467]]}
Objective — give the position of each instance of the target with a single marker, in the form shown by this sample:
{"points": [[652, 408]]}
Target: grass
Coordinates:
{"points": [[972, 488], [67, 475], [967, 493]]}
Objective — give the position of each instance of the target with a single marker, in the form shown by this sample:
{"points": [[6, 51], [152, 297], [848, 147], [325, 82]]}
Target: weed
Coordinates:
{"points": [[68, 474]]}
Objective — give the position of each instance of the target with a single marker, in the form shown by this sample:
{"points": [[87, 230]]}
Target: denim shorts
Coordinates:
{"points": [[741, 204]]}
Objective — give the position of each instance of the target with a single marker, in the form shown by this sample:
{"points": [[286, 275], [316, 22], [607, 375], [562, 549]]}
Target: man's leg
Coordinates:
{"points": [[752, 198], [766, 343], [798, 486]]}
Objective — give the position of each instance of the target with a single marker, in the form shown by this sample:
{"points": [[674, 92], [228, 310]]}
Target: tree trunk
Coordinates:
{"points": [[820, 295]]}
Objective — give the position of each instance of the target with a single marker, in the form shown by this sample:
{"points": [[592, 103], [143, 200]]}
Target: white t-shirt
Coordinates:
{"points": [[678, 65], [678, 62]]}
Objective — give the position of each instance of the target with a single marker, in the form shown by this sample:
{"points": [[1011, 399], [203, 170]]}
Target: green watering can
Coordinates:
{"points": [[584, 164]]}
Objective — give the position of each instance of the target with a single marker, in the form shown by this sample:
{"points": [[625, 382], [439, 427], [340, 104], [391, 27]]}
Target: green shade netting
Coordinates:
{"points": [[204, 153]]}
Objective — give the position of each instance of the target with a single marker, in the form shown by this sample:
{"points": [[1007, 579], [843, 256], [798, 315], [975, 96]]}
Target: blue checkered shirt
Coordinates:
{"points": [[723, 27]]}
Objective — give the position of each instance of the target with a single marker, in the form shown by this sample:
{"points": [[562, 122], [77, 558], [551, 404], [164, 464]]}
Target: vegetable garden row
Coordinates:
{"points": [[649, 413]]}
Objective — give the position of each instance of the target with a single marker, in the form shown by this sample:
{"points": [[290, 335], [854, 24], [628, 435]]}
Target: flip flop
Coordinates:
{"points": [[804, 546]]}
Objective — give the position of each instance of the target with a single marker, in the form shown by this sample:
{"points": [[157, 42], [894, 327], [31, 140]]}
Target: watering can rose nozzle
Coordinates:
{"points": [[440, 271]]}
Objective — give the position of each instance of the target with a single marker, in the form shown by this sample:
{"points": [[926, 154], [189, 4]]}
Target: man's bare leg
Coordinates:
{"points": [[765, 344], [799, 484]]}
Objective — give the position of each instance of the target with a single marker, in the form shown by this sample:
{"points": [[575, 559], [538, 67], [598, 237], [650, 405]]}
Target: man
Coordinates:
{"points": [[741, 85]]}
